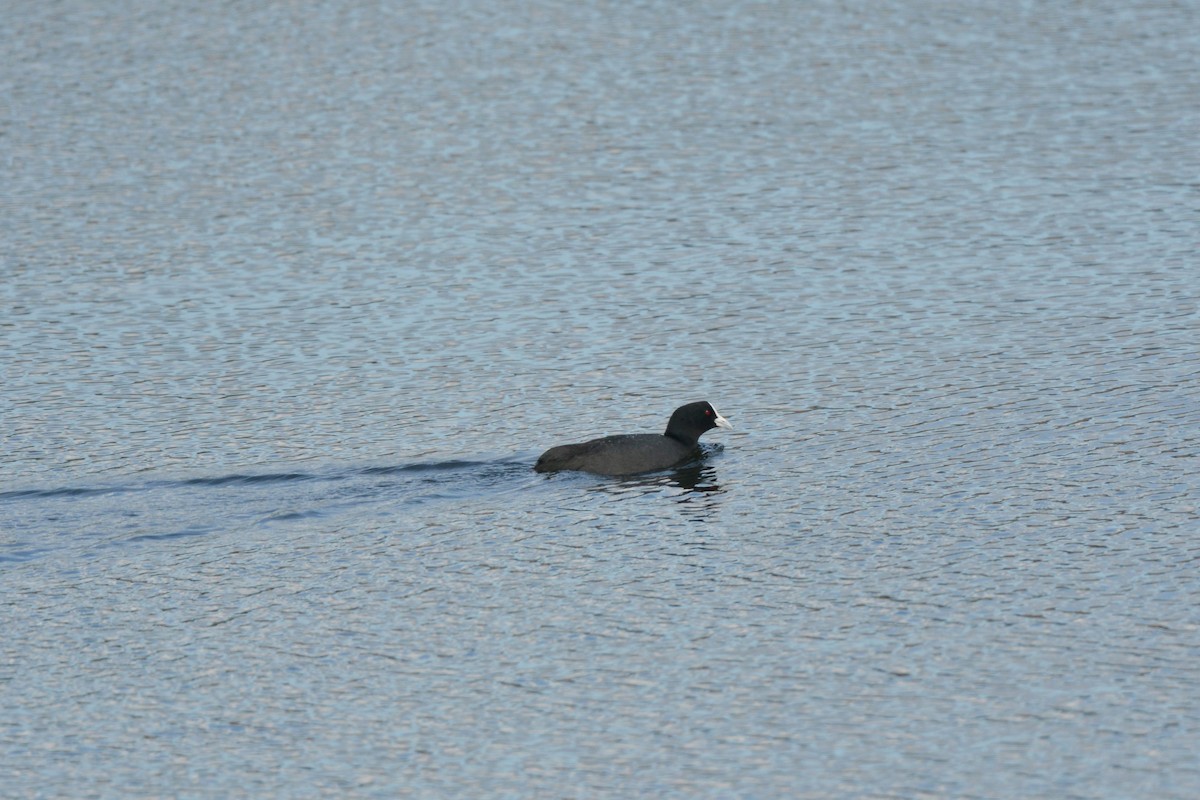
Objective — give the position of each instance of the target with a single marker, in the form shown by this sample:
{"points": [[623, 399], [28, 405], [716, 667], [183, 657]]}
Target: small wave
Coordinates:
{"points": [[426, 466], [69, 491], [247, 479], [17, 555], [181, 534], [441, 470]]}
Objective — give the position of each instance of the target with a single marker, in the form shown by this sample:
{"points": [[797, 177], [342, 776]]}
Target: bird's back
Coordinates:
{"points": [[616, 455]]}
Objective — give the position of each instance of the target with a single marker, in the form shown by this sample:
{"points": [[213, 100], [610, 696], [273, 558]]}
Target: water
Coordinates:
{"points": [[293, 298]]}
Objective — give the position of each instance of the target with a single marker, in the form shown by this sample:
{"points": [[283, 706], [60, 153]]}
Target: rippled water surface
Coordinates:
{"points": [[294, 296]]}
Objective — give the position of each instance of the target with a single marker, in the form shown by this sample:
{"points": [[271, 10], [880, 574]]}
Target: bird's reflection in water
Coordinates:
{"points": [[693, 487]]}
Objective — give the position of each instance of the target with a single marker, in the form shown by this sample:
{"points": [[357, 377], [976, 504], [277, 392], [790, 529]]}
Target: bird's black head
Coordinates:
{"points": [[690, 421]]}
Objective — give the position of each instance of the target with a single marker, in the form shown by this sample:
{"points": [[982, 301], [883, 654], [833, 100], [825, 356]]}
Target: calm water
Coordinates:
{"points": [[293, 297]]}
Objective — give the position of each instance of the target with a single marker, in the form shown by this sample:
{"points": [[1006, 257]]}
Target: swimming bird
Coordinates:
{"points": [[630, 453]]}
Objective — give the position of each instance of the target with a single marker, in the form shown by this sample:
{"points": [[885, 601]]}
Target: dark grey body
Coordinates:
{"points": [[631, 453], [617, 455]]}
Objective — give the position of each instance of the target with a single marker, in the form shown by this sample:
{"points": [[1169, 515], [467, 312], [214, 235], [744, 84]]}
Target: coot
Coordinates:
{"points": [[637, 452]]}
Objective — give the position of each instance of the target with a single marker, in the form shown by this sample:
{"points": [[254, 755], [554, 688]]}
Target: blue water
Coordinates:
{"points": [[293, 298]]}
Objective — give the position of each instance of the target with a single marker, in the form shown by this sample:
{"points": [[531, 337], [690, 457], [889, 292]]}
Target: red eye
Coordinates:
{"points": [[708, 412]]}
